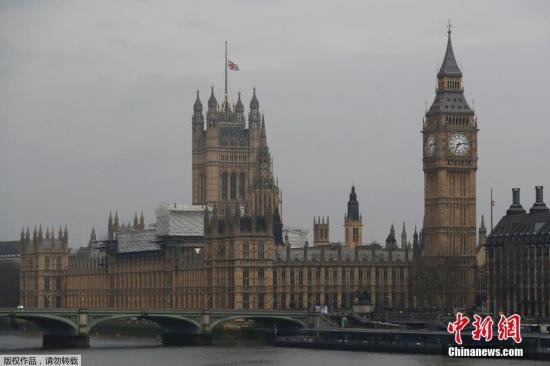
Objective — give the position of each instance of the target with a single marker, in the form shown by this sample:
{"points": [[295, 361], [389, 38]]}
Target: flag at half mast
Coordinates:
{"points": [[229, 65], [232, 66]]}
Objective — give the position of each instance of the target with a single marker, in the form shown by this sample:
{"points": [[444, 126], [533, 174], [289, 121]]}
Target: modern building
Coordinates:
{"points": [[518, 260]]}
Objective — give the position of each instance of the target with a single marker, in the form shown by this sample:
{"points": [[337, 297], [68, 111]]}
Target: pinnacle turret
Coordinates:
{"points": [[403, 237], [197, 107], [141, 221], [239, 107], [482, 226], [391, 242], [353, 206], [212, 102], [254, 103]]}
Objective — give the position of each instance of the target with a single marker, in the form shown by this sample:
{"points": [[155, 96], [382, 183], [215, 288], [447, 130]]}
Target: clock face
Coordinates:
{"points": [[459, 144], [429, 147]]}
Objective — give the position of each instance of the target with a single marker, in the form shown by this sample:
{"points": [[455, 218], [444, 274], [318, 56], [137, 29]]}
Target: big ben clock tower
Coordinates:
{"points": [[449, 162]]}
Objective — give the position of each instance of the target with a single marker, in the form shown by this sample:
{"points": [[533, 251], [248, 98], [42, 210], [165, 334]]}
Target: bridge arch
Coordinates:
{"points": [[51, 324], [266, 319], [171, 323]]}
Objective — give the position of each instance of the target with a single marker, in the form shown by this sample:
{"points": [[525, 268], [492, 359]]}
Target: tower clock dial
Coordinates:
{"points": [[429, 147], [459, 144]]}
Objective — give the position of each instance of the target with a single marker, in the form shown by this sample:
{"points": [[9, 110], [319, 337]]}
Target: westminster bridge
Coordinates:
{"points": [[71, 327]]}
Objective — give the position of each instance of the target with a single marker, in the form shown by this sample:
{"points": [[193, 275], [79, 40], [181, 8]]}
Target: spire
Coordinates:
{"points": [[391, 243], [47, 233], [60, 235], [254, 104], [212, 102], [22, 233], [353, 206], [449, 67], [263, 138], [403, 236], [226, 107], [239, 107], [482, 227], [136, 221], [142, 221], [277, 228], [27, 234], [40, 233], [93, 236], [197, 107]]}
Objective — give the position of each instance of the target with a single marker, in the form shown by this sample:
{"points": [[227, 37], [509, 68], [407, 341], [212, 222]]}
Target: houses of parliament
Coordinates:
{"points": [[230, 249]]}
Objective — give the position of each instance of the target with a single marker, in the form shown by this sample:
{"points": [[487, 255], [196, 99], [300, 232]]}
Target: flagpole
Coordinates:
{"points": [[226, 68], [492, 204]]}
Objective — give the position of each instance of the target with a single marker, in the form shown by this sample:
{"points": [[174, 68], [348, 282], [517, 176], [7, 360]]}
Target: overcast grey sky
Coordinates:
{"points": [[96, 101]]}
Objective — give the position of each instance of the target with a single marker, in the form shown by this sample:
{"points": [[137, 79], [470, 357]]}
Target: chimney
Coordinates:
{"points": [[539, 205], [515, 196], [516, 207]]}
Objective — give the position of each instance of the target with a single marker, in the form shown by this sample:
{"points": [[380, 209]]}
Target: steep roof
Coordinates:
{"points": [[521, 229], [449, 67]]}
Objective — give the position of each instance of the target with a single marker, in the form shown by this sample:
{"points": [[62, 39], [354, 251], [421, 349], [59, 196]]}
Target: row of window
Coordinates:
{"points": [[234, 157], [453, 84], [229, 186], [47, 283], [280, 276], [261, 249], [33, 263]]}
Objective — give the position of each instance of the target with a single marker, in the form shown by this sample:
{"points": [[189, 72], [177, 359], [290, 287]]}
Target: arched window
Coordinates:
{"points": [[224, 186], [233, 185], [242, 186]]}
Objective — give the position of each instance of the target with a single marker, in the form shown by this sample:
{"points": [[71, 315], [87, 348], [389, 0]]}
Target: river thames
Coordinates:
{"points": [[106, 351]]}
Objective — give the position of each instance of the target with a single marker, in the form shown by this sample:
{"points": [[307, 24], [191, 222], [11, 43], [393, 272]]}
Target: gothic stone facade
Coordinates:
{"points": [[240, 259], [450, 164], [236, 264]]}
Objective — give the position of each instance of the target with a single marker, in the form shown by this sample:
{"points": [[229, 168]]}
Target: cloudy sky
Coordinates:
{"points": [[96, 101]]}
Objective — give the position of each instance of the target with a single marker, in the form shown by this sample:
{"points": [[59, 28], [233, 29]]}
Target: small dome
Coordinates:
{"points": [[254, 104], [197, 107]]}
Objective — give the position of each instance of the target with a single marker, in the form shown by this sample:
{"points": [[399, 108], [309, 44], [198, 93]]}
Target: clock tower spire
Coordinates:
{"points": [[450, 162]]}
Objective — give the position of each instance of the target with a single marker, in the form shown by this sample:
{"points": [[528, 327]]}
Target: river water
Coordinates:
{"points": [[105, 351]]}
